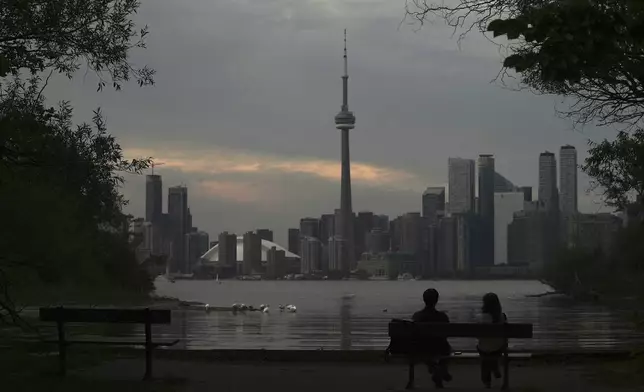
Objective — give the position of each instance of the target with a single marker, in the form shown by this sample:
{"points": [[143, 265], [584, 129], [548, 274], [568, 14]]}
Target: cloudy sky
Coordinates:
{"points": [[246, 91]]}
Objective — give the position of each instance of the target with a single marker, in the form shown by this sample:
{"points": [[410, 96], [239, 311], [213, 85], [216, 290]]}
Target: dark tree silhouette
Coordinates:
{"points": [[590, 51], [59, 184], [65, 35], [617, 167]]}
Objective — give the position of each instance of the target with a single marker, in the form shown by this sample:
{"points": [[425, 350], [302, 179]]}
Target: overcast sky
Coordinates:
{"points": [[246, 92]]}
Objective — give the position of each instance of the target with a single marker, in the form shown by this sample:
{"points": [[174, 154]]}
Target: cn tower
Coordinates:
{"points": [[345, 121]]}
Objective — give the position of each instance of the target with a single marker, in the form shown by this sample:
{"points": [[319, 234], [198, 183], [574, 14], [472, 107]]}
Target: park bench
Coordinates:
{"points": [[409, 336], [147, 317]]}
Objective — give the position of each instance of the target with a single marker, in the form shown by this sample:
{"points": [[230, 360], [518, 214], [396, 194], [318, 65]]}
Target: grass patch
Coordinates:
{"points": [[76, 384], [34, 367], [619, 374]]}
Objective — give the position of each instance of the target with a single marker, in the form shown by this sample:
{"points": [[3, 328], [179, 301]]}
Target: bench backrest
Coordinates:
{"points": [[403, 329], [106, 315]]}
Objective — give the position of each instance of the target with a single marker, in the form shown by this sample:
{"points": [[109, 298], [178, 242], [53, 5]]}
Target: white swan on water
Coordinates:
{"points": [[291, 308]]}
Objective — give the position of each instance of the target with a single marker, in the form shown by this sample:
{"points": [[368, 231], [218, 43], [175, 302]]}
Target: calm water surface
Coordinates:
{"points": [[325, 320]]}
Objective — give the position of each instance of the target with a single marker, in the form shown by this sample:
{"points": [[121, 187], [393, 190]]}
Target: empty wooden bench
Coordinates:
{"points": [[410, 336], [147, 317]]}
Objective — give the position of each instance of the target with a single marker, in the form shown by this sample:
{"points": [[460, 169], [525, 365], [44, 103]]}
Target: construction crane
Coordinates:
{"points": [[153, 164]]}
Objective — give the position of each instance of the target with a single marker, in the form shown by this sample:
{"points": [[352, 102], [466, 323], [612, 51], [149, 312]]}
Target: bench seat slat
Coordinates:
{"points": [[472, 355], [117, 342], [404, 329]]}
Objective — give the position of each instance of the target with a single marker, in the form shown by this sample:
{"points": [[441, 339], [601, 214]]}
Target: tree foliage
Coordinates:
{"points": [[59, 198], [588, 50], [59, 183], [617, 167], [592, 274], [64, 35]]}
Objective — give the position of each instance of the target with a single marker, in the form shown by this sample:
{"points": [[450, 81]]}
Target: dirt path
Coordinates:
{"points": [[188, 376]]}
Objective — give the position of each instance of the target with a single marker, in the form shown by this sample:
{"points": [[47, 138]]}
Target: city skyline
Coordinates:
{"points": [[503, 230], [258, 139], [470, 177]]}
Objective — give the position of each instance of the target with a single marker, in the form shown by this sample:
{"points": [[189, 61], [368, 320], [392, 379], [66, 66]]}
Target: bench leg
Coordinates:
{"points": [[410, 382], [62, 349], [506, 371]]}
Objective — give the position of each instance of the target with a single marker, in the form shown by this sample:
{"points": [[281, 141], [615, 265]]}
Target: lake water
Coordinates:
{"points": [[325, 320]]}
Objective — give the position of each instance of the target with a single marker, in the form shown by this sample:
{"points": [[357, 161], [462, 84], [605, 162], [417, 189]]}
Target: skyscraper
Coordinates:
{"points": [[153, 198], [228, 250], [411, 225], [275, 263], [252, 254], [548, 193], [377, 241], [485, 255], [527, 193], [381, 221], [362, 226], [196, 245], [265, 234], [568, 180], [345, 121], [461, 185], [294, 241], [178, 213], [433, 204], [503, 185], [311, 257], [310, 227], [505, 205], [327, 227]]}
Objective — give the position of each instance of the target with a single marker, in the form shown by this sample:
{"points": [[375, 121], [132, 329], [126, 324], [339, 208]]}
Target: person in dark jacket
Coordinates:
{"points": [[436, 349]]}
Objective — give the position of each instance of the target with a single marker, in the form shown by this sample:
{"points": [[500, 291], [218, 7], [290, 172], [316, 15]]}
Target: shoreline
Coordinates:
{"points": [[359, 356]]}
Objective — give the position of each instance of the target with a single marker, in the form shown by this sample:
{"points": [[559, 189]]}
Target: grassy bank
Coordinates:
{"points": [[34, 368]]}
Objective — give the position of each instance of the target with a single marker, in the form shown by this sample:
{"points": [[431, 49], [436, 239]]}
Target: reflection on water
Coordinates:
{"points": [[345, 324], [328, 318]]}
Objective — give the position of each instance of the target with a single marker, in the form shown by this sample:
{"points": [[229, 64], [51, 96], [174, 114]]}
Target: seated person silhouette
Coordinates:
{"points": [[435, 349], [491, 349]]}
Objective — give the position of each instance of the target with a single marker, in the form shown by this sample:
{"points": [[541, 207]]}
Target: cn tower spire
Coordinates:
{"points": [[345, 77], [345, 121]]}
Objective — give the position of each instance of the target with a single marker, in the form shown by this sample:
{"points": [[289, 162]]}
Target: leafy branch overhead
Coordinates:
{"points": [[589, 50], [67, 35]]}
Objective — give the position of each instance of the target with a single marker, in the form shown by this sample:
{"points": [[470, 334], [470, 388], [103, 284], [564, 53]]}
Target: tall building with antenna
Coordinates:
{"points": [[153, 198], [345, 121]]}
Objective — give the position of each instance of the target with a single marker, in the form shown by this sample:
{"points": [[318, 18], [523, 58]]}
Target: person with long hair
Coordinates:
{"points": [[491, 349]]}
